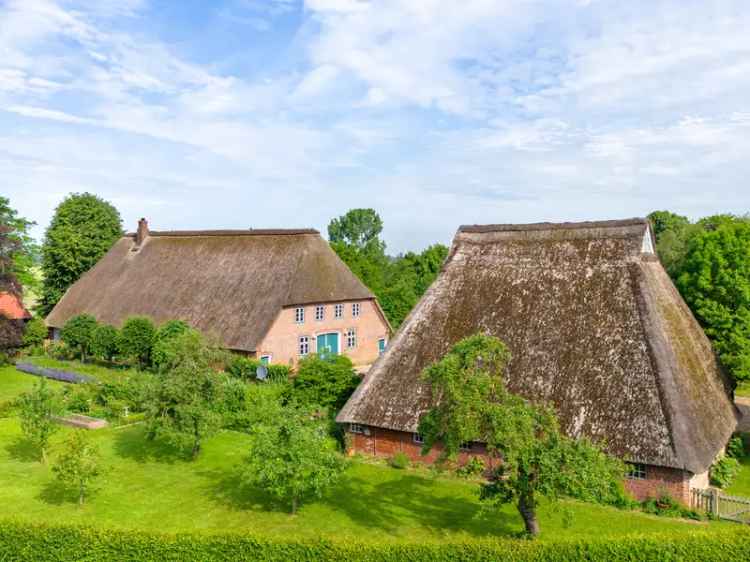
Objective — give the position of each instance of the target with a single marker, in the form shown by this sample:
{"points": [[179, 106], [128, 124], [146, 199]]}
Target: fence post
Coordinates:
{"points": [[715, 502]]}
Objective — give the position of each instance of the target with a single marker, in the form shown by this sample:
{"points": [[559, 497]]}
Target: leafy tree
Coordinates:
{"points": [[78, 465], [78, 334], [665, 221], [160, 354], [471, 404], [359, 228], [136, 339], [292, 457], [18, 252], [673, 233], [325, 382], [35, 334], [104, 342], [82, 230], [38, 409], [714, 279], [185, 407]]}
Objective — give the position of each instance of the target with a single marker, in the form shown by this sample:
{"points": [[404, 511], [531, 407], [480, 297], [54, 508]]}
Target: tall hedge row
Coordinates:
{"points": [[42, 543]]}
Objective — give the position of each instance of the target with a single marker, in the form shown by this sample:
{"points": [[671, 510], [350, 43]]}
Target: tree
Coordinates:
{"points": [[714, 279], [325, 382], [78, 465], [83, 228], [35, 334], [359, 228], [292, 457], [137, 339], [161, 352], [38, 409], [78, 334], [666, 221], [18, 252], [673, 233], [533, 458], [185, 407], [104, 342]]}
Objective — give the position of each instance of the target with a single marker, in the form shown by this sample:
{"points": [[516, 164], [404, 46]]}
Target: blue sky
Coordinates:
{"points": [[283, 113]]}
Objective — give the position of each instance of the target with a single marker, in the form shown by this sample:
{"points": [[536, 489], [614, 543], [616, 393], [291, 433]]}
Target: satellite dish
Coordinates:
{"points": [[261, 373]]}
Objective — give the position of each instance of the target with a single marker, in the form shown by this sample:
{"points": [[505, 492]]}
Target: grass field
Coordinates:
{"points": [[150, 486], [13, 383]]}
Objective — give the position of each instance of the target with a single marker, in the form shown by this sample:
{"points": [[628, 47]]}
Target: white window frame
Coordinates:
{"points": [[636, 471], [417, 438], [266, 356], [357, 428], [356, 309], [351, 338], [299, 315], [465, 446], [338, 311], [320, 312], [303, 341]]}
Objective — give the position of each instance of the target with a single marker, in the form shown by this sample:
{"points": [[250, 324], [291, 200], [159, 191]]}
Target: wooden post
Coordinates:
{"points": [[715, 502]]}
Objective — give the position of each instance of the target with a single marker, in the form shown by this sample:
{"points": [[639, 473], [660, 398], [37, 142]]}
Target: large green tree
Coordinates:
{"points": [[83, 228], [18, 252], [360, 228], [531, 455]]}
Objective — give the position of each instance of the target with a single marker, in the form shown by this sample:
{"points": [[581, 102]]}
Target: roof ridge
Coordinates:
{"points": [[229, 232], [541, 226]]}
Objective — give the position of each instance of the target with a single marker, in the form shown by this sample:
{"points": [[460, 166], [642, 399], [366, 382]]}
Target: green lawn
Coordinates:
{"points": [[149, 486], [13, 383]]}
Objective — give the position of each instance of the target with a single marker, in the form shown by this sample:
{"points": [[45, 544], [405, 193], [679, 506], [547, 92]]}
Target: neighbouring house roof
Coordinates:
{"points": [[595, 327], [12, 307], [231, 283]]}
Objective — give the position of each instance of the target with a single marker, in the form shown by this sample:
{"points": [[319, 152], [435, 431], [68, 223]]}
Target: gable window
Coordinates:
{"points": [[299, 315], [356, 428], [304, 345], [636, 471], [338, 311], [355, 309], [417, 438], [351, 338], [320, 312]]}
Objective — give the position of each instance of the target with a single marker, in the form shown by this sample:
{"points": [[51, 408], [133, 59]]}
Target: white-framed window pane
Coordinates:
{"points": [[466, 446], [636, 471], [356, 428], [417, 438], [304, 345], [355, 309], [338, 311], [351, 338], [299, 315], [320, 311]]}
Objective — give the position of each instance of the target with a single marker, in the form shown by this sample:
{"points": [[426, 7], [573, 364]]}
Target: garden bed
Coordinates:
{"points": [[83, 422], [54, 374]]}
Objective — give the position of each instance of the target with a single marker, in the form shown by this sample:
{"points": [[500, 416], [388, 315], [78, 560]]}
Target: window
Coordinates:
{"points": [[356, 428], [265, 359], [351, 338], [381, 346], [299, 315], [636, 471], [304, 345], [320, 312], [465, 446], [355, 309], [338, 311], [417, 438]]}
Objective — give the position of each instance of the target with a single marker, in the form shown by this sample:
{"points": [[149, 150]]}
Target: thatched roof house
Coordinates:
{"points": [[240, 285], [595, 327]]}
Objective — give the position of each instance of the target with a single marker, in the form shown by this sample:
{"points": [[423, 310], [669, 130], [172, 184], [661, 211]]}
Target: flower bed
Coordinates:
{"points": [[54, 374]]}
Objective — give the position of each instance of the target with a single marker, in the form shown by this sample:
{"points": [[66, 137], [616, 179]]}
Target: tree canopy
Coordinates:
{"points": [[18, 252], [359, 228], [83, 228]]}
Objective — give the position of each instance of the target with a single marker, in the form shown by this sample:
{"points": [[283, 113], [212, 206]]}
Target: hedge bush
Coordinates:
{"points": [[43, 543]]}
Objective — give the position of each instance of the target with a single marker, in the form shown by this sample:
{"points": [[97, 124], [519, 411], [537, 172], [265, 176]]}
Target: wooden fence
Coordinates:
{"points": [[720, 505]]}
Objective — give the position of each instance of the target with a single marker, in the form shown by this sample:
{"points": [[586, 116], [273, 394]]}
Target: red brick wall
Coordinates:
{"points": [[386, 443]]}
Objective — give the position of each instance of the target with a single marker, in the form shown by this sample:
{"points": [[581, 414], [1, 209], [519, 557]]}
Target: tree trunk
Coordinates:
{"points": [[196, 447], [527, 509], [44, 456], [81, 494], [294, 505]]}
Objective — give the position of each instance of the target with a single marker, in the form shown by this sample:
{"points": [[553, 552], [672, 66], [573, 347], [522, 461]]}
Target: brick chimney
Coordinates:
{"points": [[142, 233]]}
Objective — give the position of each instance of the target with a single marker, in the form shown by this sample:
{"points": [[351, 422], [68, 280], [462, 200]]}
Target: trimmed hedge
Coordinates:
{"points": [[42, 543]]}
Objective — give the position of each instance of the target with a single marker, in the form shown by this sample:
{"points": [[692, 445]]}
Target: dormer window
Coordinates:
{"points": [[320, 312], [299, 315]]}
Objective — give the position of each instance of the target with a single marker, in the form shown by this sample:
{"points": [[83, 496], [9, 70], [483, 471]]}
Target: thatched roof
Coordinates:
{"points": [[595, 327], [229, 283]]}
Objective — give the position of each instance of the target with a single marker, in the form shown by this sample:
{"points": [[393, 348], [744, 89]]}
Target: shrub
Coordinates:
{"points": [[279, 373], [38, 410], [78, 334], [243, 368], [35, 334], [400, 460], [162, 353], [78, 398], [137, 339], [724, 471], [104, 342], [474, 467], [326, 382], [60, 350], [665, 505], [78, 465], [4, 359], [736, 447]]}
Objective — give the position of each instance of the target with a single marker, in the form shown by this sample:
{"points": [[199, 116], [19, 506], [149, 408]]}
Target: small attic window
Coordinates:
{"points": [[356, 309], [299, 315], [338, 311], [320, 312], [636, 471]]}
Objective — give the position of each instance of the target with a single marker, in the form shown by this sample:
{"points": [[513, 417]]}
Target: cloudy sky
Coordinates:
{"points": [[258, 113]]}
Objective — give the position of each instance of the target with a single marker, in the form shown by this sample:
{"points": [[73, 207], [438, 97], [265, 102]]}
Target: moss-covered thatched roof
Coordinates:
{"points": [[595, 327], [228, 283]]}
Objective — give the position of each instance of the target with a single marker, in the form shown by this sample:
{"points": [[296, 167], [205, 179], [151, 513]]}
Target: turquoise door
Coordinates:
{"points": [[381, 346], [328, 344]]}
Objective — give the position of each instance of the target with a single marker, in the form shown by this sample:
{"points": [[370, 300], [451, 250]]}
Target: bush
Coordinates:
{"points": [[4, 359], [279, 373], [474, 467], [325, 382], [104, 342], [78, 334], [35, 334], [736, 447], [59, 350], [724, 471], [243, 368], [78, 465], [137, 339], [400, 460], [665, 505], [162, 353]]}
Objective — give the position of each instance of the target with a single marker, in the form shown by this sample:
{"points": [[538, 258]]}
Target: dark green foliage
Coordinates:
{"points": [[666, 506], [400, 460], [724, 471], [537, 459], [473, 467], [78, 334], [11, 335], [35, 334], [359, 228], [279, 373], [161, 353], [325, 382], [78, 465], [82, 230], [18, 252], [243, 368], [672, 232], [665, 221], [47, 543], [104, 343], [137, 339], [38, 409], [736, 447]]}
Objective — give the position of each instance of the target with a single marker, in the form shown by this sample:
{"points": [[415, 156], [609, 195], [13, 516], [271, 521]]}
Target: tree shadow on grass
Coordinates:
{"points": [[54, 493], [230, 489], [132, 443], [411, 499], [23, 450]]}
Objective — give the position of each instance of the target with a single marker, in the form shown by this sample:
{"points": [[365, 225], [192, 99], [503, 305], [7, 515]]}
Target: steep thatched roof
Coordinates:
{"points": [[229, 283], [595, 327]]}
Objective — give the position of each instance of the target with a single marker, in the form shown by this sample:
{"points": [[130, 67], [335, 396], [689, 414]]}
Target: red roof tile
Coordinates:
{"points": [[12, 307]]}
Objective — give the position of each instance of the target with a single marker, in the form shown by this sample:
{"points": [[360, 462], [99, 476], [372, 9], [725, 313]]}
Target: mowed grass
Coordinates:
{"points": [[150, 486], [13, 383]]}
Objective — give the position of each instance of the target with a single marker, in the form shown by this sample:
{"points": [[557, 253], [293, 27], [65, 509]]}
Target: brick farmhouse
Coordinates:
{"points": [[277, 295], [595, 327]]}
